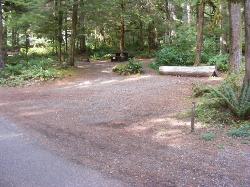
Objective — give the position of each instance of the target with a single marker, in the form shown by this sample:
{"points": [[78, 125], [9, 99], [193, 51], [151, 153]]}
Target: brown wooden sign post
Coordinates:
{"points": [[193, 117]]}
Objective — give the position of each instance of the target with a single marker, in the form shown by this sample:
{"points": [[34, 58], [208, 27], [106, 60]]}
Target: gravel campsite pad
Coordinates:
{"points": [[124, 127]]}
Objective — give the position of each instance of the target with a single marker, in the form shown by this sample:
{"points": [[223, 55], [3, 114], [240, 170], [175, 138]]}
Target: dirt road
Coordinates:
{"points": [[123, 127]]}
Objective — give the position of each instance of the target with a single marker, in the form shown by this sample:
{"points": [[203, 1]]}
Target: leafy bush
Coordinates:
{"points": [[200, 90], [144, 54], [211, 48], [101, 53], [35, 69], [173, 56], [181, 50], [243, 131], [221, 62], [208, 136], [210, 113], [40, 51], [238, 102], [133, 67], [100, 56], [226, 104]]}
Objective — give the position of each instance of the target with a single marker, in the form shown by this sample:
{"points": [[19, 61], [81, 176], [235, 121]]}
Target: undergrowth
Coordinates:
{"points": [[242, 131], [21, 71], [227, 104], [130, 68], [208, 136]]}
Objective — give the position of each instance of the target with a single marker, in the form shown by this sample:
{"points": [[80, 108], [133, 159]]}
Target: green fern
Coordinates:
{"points": [[238, 101]]}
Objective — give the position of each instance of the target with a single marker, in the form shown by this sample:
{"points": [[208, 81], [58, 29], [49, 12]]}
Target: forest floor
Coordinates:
{"points": [[126, 128]]}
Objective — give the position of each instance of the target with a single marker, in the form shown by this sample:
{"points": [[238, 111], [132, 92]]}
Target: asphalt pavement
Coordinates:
{"points": [[24, 163]]}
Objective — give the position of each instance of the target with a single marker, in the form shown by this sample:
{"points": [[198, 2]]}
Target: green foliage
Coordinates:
{"points": [[243, 131], [174, 56], [154, 66], [226, 104], [211, 49], [40, 51], [238, 102], [210, 113], [101, 53], [144, 54], [221, 62], [37, 69], [179, 52], [133, 67], [100, 56], [208, 136], [200, 90]]}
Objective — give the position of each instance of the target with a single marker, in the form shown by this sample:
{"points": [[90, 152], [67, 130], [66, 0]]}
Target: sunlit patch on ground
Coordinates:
{"points": [[98, 82], [9, 136], [36, 113]]}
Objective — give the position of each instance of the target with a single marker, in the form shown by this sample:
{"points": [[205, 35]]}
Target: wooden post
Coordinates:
{"points": [[193, 117]]}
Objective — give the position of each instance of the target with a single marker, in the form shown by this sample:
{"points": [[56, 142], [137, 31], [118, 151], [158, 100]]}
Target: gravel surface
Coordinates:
{"points": [[124, 127]]}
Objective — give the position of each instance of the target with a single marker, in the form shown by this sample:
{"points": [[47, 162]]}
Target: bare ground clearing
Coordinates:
{"points": [[124, 127]]}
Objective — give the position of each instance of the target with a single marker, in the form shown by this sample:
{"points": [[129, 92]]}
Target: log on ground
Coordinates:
{"points": [[201, 71]]}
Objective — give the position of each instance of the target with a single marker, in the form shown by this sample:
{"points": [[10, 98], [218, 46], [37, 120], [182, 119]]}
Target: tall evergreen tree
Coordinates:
{"points": [[247, 41], [235, 35], [1, 37]]}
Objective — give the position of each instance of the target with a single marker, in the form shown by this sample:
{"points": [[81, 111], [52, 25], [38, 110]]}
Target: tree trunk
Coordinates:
{"points": [[13, 38], [66, 33], [223, 25], [173, 19], [1, 37], [167, 20], [235, 36], [5, 38], [27, 43], [247, 35], [60, 27], [82, 28], [141, 36], [187, 12], [122, 34], [73, 33], [200, 28], [151, 36]]}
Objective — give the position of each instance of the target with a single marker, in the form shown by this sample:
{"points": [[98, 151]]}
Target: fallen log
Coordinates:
{"points": [[201, 71]]}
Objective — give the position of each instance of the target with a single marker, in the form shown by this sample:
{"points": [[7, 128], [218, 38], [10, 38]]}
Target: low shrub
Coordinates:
{"points": [[209, 113], [243, 131], [208, 136], [173, 56], [211, 48], [144, 54], [40, 51], [102, 52], [100, 56], [220, 61], [200, 90], [39, 69], [180, 49], [238, 102], [133, 67], [227, 104]]}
